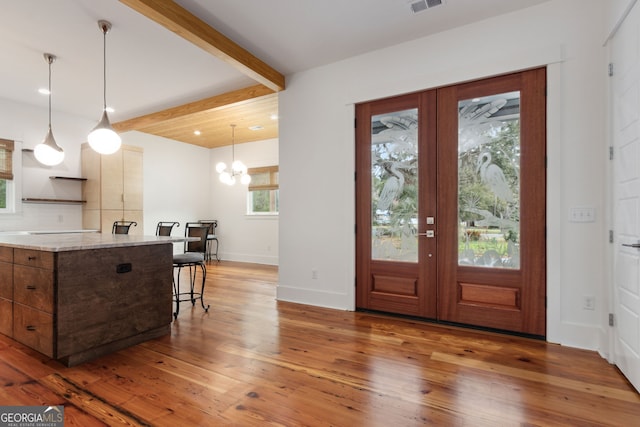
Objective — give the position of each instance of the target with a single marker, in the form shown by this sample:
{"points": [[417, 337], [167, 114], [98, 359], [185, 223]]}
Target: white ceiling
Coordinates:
{"points": [[150, 69]]}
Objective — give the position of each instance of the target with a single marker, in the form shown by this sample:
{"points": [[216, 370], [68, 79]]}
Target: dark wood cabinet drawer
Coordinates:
{"points": [[33, 258], [6, 254], [33, 328], [6, 317], [6, 280], [33, 287]]}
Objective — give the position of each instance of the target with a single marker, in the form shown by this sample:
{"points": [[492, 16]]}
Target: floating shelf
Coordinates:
{"points": [[70, 178], [59, 201]]}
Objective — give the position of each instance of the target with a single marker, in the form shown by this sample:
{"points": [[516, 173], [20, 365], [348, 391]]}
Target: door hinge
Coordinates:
{"points": [[610, 69], [355, 123], [611, 320], [610, 236], [610, 152]]}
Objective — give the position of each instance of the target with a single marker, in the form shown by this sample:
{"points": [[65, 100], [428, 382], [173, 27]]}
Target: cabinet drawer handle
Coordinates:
{"points": [[31, 258], [31, 287], [31, 328]]}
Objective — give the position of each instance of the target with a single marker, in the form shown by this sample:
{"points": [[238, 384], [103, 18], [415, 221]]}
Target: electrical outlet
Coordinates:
{"points": [[589, 302], [314, 274]]}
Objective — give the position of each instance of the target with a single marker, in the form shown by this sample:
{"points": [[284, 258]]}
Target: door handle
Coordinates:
{"points": [[632, 245], [430, 233]]}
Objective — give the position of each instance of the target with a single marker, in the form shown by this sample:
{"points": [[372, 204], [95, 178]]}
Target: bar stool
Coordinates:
{"points": [[211, 237], [164, 228], [122, 227], [193, 257]]}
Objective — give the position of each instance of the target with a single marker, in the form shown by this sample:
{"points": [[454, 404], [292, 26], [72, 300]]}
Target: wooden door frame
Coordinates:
{"points": [[528, 311]]}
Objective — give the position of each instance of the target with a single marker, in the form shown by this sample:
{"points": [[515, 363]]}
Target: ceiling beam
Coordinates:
{"points": [[203, 105], [188, 26]]}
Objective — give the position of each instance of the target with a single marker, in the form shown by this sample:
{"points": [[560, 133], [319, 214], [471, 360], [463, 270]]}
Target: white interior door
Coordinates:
{"points": [[625, 94]]}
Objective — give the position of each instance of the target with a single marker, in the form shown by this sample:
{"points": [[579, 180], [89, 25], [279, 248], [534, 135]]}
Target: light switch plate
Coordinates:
{"points": [[582, 214]]}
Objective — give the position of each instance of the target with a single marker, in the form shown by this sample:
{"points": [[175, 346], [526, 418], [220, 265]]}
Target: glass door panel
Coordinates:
{"points": [[489, 181], [394, 186]]}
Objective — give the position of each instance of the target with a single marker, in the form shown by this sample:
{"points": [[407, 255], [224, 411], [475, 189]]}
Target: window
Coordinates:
{"points": [[263, 191], [6, 175]]}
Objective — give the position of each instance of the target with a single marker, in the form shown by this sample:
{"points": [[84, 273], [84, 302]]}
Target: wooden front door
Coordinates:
{"points": [[451, 203], [396, 192]]}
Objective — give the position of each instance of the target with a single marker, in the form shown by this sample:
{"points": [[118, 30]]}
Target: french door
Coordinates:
{"points": [[450, 205]]}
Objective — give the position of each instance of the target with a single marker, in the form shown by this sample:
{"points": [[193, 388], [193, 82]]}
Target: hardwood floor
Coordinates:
{"points": [[253, 361]]}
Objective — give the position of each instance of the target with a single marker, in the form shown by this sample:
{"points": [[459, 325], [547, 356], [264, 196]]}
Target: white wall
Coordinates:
{"points": [[317, 151], [176, 181], [245, 238]]}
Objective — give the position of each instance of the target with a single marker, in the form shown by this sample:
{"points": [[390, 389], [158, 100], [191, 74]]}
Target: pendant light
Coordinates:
{"points": [[237, 167], [103, 138], [48, 152]]}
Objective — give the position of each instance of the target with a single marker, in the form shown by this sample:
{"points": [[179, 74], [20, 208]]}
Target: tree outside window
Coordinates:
{"points": [[263, 197]]}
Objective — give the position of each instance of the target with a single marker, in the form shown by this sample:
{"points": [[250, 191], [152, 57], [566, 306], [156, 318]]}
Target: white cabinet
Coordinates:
{"points": [[113, 189]]}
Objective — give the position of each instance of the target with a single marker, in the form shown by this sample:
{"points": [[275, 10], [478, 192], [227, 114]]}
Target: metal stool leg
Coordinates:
{"points": [[204, 277], [176, 292], [217, 244], [192, 294]]}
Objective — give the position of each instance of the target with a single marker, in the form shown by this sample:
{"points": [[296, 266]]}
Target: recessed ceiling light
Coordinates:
{"points": [[257, 127], [196, 132]]}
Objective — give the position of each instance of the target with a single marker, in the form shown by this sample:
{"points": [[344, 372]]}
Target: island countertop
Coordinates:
{"points": [[59, 242]]}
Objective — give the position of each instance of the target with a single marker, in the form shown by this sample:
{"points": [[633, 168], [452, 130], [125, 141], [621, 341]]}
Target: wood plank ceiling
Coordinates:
{"points": [[254, 106]]}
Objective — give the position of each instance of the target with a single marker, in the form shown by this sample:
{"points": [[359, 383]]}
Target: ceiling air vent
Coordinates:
{"points": [[419, 6]]}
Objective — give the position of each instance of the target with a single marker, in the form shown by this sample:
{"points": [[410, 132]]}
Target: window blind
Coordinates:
{"points": [[6, 159], [265, 178]]}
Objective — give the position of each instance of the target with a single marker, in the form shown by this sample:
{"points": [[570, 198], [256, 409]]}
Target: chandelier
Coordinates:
{"points": [[238, 169]]}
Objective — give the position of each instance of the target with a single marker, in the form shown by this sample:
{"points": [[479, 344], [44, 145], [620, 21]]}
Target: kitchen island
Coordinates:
{"points": [[77, 296]]}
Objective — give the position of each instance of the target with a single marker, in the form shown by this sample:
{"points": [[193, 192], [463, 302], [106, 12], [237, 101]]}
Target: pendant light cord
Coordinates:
{"points": [[233, 147], [104, 66], [49, 60]]}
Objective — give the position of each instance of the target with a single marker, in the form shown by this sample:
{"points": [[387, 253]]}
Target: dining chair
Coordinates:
{"points": [[193, 258], [122, 227]]}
